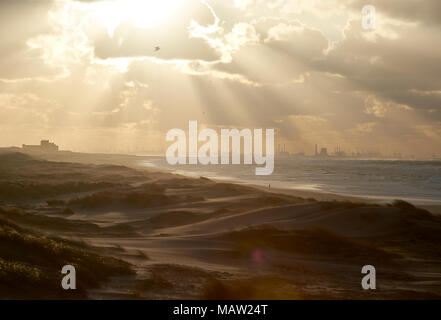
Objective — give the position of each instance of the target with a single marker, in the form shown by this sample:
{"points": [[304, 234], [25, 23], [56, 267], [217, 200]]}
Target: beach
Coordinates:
{"points": [[175, 237]]}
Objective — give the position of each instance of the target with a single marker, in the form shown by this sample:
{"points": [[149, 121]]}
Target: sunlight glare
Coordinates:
{"points": [[143, 13]]}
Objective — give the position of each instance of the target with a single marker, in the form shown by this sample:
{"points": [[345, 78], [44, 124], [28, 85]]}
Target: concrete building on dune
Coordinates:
{"points": [[44, 146]]}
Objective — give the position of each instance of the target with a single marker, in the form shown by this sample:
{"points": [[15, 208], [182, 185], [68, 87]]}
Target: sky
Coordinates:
{"points": [[85, 73]]}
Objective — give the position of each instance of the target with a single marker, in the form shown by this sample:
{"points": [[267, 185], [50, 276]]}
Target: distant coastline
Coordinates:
{"points": [[279, 181]]}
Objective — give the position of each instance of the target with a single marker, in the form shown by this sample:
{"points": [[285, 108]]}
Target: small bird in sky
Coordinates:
{"points": [[157, 48]]}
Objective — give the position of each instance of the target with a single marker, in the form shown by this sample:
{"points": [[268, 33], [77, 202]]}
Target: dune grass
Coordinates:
{"points": [[30, 265], [257, 288], [14, 191], [315, 242], [60, 225]]}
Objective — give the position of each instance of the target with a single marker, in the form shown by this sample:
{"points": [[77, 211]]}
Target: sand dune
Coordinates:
{"points": [[197, 238]]}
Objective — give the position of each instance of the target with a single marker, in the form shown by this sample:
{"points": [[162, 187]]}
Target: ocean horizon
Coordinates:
{"points": [[415, 181]]}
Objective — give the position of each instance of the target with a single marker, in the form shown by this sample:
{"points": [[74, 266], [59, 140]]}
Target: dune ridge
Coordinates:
{"points": [[171, 237]]}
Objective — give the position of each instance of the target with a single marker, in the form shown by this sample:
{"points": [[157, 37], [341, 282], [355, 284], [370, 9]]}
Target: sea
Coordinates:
{"points": [[418, 182]]}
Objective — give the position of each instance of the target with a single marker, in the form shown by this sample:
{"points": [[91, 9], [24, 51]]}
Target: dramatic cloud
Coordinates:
{"points": [[181, 36], [425, 12], [20, 21], [87, 74]]}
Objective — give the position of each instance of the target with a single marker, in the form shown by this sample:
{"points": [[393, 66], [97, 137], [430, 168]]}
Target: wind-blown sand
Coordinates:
{"points": [[196, 238]]}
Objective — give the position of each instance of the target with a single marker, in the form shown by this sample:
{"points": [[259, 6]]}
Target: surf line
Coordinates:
{"points": [[208, 153]]}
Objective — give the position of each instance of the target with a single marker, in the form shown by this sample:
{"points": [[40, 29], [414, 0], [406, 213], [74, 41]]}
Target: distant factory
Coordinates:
{"points": [[282, 151], [323, 152]]}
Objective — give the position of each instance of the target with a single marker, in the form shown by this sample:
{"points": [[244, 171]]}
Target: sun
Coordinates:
{"points": [[143, 13]]}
